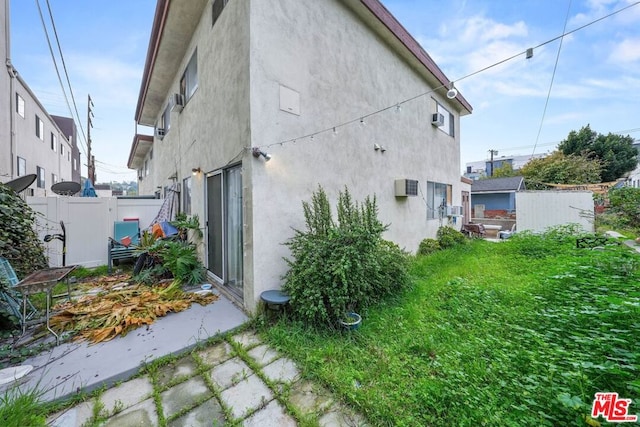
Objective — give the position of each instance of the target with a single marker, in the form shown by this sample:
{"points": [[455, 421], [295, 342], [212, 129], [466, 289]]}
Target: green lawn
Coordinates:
{"points": [[518, 333]]}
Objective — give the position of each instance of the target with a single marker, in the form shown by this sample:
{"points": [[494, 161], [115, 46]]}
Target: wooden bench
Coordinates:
{"points": [[474, 230]]}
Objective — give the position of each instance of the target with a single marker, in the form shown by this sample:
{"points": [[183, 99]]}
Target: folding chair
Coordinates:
{"points": [[126, 236], [11, 299]]}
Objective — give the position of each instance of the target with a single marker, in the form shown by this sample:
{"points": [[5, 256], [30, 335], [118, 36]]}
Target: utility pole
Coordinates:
{"points": [[492, 152], [91, 171]]}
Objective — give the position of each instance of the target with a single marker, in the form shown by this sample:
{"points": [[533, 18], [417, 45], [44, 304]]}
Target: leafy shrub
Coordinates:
{"points": [[181, 259], [625, 201], [19, 242], [341, 266], [428, 246], [449, 237]]}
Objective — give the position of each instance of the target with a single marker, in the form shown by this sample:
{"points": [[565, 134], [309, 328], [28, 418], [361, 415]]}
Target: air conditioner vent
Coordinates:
{"points": [[160, 133], [177, 102], [454, 211], [437, 119], [406, 187]]}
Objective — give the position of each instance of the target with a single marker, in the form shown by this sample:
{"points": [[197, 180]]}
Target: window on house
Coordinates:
{"points": [[20, 105], [75, 164], [68, 155], [22, 166], [438, 197], [54, 142], [40, 172], [216, 10], [448, 125], [189, 80], [62, 150], [165, 120], [146, 167], [186, 196], [39, 128], [54, 178]]}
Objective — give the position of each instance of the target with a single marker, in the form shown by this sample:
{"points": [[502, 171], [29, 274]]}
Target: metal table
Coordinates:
{"points": [[42, 281]]}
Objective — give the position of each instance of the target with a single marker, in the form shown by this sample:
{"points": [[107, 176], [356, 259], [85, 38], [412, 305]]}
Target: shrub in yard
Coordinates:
{"points": [[19, 242], [449, 237], [625, 201], [343, 265], [428, 246]]}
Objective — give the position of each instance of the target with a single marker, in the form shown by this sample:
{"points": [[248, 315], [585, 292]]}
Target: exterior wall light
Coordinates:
{"points": [[452, 92], [257, 153], [196, 171]]}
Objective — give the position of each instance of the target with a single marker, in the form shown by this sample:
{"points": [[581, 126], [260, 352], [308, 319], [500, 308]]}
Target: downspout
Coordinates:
{"points": [[12, 76]]}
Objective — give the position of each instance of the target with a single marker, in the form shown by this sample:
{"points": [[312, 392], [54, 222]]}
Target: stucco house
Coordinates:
{"points": [[256, 103], [496, 197]]}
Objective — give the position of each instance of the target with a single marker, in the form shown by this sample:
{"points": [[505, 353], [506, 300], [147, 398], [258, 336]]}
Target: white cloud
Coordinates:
{"points": [[626, 52]]}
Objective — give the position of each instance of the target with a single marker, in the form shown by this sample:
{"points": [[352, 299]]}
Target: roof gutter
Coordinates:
{"points": [[159, 20], [392, 24]]}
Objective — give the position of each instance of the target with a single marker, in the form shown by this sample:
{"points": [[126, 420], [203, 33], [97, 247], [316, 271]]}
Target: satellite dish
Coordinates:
{"points": [[65, 188], [21, 183]]}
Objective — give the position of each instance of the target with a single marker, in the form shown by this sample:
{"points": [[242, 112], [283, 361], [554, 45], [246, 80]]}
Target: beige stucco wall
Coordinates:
{"points": [[342, 71]]}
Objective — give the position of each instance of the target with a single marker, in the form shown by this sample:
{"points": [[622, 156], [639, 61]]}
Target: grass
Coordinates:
{"points": [[518, 333], [21, 409]]}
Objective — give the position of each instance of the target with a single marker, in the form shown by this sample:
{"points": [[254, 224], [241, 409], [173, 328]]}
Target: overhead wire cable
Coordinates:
{"points": [[553, 76], [396, 104], [64, 66], [53, 58]]}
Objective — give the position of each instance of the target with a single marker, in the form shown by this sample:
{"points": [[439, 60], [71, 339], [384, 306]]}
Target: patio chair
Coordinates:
{"points": [[11, 299], [126, 236]]}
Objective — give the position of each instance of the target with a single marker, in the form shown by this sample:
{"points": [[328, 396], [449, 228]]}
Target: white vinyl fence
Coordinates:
{"points": [[89, 224], [538, 210]]}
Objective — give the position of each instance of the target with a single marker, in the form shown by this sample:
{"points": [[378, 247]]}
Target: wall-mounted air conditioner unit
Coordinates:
{"points": [[454, 211], [437, 119], [177, 102], [406, 187], [160, 133]]}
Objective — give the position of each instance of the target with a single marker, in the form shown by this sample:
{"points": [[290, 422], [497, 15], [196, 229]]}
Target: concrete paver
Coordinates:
{"points": [[247, 395], [310, 398], [184, 395], [282, 371], [182, 368], [273, 415], [247, 339], [208, 414], [72, 417], [263, 354], [215, 354], [142, 414], [126, 394], [230, 372]]}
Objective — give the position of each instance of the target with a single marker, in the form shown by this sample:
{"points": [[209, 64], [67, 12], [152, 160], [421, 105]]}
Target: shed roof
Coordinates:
{"points": [[494, 185]]}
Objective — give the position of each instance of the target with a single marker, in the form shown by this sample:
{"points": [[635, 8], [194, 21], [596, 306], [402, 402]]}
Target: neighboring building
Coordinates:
{"points": [[634, 176], [68, 127], [481, 169], [495, 197], [297, 80], [30, 140]]}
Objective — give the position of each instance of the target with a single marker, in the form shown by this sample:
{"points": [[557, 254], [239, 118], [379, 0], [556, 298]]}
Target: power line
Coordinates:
{"points": [[397, 105], [64, 65], [553, 76]]}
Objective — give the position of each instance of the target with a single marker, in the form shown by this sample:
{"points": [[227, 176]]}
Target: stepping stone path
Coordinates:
{"points": [[239, 381]]}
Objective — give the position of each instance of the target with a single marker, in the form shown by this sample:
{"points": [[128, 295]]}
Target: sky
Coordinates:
{"points": [[596, 79]]}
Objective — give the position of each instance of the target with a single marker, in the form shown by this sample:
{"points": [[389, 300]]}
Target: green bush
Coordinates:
{"points": [[19, 242], [449, 237], [341, 266], [428, 246], [625, 201]]}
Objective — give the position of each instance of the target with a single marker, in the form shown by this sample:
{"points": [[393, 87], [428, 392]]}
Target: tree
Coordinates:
{"points": [[505, 170], [559, 168], [616, 152]]}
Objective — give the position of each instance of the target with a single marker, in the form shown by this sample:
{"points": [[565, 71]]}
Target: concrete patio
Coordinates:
{"points": [[238, 381]]}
